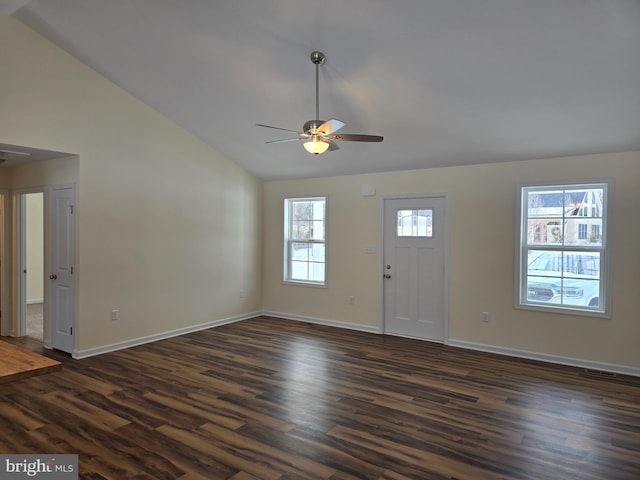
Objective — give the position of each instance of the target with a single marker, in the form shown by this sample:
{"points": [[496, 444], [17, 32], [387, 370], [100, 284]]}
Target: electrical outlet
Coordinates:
{"points": [[485, 316], [352, 300], [241, 293], [115, 314]]}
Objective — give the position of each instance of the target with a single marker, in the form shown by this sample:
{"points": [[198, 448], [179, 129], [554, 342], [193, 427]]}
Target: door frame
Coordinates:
{"points": [[381, 283], [5, 227]]}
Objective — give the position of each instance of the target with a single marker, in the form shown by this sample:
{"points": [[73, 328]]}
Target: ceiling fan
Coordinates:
{"points": [[319, 135]]}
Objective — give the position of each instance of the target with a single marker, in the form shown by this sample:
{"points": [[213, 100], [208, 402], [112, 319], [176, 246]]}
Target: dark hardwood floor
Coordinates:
{"points": [[274, 399]]}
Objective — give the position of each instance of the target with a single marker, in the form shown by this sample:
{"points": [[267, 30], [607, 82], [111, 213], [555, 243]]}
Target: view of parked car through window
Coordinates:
{"points": [[569, 278]]}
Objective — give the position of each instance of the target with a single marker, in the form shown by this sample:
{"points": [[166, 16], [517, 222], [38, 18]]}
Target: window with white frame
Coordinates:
{"points": [[582, 231], [563, 258], [305, 240]]}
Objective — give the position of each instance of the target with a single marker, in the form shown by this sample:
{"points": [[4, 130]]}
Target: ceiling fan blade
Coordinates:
{"points": [[332, 145], [354, 137], [284, 140], [331, 126], [276, 128]]}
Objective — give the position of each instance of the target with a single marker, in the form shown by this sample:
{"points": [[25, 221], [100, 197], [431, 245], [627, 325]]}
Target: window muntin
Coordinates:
{"points": [[415, 223], [562, 255], [304, 240]]}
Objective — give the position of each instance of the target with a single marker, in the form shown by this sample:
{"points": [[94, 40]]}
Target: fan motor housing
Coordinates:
{"points": [[311, 126], [317, 58]]}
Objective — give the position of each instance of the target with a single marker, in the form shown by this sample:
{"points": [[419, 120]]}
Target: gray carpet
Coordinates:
{"points": [[34, 321]]}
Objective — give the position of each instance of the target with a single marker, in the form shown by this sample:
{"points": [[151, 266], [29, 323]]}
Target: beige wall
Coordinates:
{"points": [[482, 236], [38, 175], [169, 230]]}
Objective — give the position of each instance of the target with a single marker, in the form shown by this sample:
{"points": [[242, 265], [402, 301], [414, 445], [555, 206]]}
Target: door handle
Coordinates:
{"points": [[53, 277], [387, 275]]}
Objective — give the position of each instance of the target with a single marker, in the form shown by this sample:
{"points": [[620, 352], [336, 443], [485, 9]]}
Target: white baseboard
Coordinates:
{"points": [[90, 352], [35, 300], [573, 362], [323, 321], [543, 357]]}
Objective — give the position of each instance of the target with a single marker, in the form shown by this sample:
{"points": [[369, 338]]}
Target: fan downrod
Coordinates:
{"points": [[317, 58]]}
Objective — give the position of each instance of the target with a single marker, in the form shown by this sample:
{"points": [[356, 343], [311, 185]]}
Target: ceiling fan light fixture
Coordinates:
{"points": [[316, 146], [319, 135]]}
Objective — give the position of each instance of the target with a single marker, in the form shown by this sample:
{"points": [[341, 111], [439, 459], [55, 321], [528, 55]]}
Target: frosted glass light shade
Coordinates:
{"points": [[316, 146]]}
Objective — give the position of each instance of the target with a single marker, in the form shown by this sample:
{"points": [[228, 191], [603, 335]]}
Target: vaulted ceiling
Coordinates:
{"points": [[446, 82]]}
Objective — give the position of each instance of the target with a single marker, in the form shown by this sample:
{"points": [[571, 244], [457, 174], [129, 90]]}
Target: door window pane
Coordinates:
{"points": [[415, 223]]}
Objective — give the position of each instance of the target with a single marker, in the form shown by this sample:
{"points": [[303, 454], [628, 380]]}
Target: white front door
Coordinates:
{"points": [[415, 233], [62, 282]]}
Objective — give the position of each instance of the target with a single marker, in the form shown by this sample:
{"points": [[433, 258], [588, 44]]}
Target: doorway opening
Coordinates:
{"points": [[31, 256], [34, 252]]}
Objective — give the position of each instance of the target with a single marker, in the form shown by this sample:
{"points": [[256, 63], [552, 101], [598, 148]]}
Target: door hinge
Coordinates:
{"points": [[71, 209], [71, 270], [71, 330]]}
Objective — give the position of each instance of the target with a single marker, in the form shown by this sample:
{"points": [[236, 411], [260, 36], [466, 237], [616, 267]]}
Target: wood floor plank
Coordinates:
{"points": [[236, 456], [271, 399], [180, 453], [92, 415], [267, 455], [11, 412], [319, 446]]}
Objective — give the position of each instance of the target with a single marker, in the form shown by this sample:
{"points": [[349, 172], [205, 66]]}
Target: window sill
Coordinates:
{"points": [[564, 310], [300, 283]]}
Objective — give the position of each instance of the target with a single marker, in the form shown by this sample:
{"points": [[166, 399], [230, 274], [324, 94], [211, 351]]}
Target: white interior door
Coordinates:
{"points": [[62, 281], [415, 233]]}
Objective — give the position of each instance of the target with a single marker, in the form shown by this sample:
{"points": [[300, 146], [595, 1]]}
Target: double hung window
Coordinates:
{"points": [[305, 240], [563, 257]]}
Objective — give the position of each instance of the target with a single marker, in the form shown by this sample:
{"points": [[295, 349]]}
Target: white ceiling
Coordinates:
{"points": [[446, 82]]}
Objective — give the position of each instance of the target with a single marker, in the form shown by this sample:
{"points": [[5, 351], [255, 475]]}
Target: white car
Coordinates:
{"points": [[569, 278]]}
